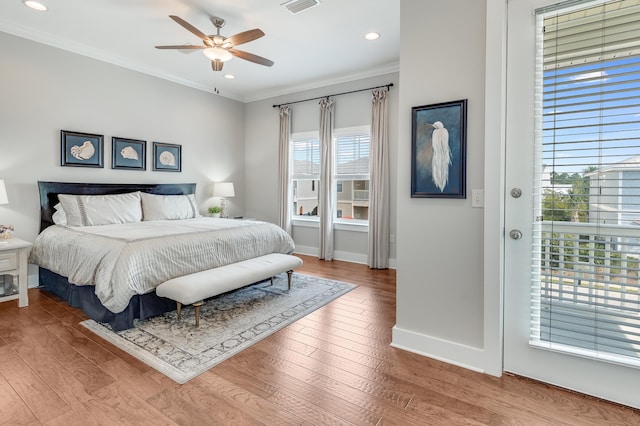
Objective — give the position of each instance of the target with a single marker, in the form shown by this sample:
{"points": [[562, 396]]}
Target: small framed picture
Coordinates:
{"points": [[81, 149], [438, 150], [128, 154], [167, 157]]}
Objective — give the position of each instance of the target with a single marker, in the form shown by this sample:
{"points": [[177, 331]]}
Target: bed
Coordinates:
{"points": [[108, 264]]}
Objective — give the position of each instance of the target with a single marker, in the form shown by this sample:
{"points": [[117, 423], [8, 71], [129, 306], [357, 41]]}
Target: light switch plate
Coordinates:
{"points": [[477, 198]]}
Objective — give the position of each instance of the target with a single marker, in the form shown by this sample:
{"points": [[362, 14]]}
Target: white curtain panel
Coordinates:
{"points": [[283, 171], [378, 257], [326, 208]]}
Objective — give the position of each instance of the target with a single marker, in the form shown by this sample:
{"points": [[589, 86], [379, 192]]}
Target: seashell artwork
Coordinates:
{"points": [[129, 153], [84, 151], [167, 159]]}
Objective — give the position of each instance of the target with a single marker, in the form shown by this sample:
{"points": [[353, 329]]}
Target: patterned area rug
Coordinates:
{"points": [[229, 323]]}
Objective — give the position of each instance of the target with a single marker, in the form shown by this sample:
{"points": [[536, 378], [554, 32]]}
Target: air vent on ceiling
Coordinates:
{"points": [[296, 6]]}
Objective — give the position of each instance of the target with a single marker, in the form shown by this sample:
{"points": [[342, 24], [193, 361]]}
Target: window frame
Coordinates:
{"points": [[360, 225]]}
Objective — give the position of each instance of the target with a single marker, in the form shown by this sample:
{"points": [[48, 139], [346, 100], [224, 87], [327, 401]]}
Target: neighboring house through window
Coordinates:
{"points": [[305, 176]]}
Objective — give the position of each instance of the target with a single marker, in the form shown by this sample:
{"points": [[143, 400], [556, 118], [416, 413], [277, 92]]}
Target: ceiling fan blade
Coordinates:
{"points": [[251, 57], [245, 37], [183, 46], [191, 28], [217, 65]]}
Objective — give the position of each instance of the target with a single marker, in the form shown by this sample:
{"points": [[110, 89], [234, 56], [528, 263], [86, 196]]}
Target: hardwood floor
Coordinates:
{"points": [[334, 366]]}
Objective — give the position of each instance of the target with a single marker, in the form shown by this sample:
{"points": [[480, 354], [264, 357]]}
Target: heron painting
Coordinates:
{"points": [[438, 160]]}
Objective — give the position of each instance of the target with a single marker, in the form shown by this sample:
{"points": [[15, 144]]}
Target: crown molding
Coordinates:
{"points": [[100, 55], [374, 72]]}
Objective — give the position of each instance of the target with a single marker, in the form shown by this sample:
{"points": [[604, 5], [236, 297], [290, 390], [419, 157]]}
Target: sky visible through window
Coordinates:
{"points": [[591, 114]]}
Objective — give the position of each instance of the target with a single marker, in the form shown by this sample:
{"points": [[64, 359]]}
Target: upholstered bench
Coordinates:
{"points": [[192, 289]]}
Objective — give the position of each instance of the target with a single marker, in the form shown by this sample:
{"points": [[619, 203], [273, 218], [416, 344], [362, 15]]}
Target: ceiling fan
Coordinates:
{"points": [[219, 48]]}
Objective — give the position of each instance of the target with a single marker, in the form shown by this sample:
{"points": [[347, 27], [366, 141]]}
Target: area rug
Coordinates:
{"points": [[229, 323]]}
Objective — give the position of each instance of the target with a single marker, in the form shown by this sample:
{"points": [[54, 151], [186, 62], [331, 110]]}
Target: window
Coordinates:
{"points": [[352, 172], [351, 168], [305, 174], [586, 294]]}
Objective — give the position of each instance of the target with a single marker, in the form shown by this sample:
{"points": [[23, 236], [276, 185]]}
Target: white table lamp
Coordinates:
{"points": [[223, 190], [3, 193]]}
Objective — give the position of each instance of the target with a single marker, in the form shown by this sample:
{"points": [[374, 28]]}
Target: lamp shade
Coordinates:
{"points": [[217, 54], [3, 193], [223, 189]]}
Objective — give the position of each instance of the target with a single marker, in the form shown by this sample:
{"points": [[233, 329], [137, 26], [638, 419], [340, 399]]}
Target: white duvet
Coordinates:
{"points": [[126, 259]]}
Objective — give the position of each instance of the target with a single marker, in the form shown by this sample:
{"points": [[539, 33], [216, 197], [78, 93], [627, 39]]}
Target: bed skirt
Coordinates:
{"points": [[83, 297]]}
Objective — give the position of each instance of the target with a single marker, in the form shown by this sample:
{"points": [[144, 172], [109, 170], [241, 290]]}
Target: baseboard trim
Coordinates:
{"points": [[345, 256], [442, 350]]}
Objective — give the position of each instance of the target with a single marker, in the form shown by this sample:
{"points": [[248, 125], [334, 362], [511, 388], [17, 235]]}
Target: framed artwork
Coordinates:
{"points": [[81, 149], [128, 154], [438, 150], [167, 157]]}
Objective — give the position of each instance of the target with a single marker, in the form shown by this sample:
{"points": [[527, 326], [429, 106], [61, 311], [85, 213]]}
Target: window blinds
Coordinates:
{"points": [[306, 158], [586, 249], [352, 156]]}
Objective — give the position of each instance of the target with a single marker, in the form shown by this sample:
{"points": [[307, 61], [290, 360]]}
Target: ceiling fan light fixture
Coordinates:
{"points": [[35, 5], [217, 54]]}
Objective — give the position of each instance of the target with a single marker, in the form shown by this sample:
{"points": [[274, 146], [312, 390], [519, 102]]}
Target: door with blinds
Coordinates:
{"points": [[572, 202]]}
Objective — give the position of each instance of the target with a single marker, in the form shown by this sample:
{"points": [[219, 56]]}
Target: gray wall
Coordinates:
{"points": [[262, 130], [440, 306], [45, 89]]}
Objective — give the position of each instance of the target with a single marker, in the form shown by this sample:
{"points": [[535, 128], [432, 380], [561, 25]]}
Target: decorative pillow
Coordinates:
{"points": [[168, 207], [59, 217], [93, 210]]}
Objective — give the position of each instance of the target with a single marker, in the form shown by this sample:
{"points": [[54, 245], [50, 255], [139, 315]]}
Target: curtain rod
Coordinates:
{"points": [[336, 94]]}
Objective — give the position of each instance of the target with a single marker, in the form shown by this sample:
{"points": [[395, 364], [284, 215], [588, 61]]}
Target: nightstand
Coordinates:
{"points": [[13, 269]]}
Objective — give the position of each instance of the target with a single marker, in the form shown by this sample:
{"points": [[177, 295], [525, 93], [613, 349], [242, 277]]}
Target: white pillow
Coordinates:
{"points": [[93, 210], [59, 217], [168, 207]]}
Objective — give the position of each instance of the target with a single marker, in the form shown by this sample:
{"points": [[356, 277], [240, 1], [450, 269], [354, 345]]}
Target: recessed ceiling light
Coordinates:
{"points": [[229, 76], [372, 36], [35, 5]]}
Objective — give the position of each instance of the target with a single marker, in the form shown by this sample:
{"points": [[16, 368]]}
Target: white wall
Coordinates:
{"points": [[440, 283], [44, 90], [262, 129]]}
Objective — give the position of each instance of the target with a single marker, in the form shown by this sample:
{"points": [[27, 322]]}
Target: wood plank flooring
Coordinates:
{"points": [[333, 367]]}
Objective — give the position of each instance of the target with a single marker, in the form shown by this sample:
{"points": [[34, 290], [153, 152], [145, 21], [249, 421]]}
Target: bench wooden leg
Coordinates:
{"points": [[289, 279], [179, 309], [197, 313]]}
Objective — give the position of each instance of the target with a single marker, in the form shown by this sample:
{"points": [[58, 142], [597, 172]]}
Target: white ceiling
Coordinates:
{"points": [[321, 45]]}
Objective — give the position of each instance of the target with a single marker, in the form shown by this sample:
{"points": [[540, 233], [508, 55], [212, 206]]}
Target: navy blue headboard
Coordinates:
{"points": [[49, 193]]}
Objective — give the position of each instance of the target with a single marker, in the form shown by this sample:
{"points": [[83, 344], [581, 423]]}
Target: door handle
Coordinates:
{"points": [[516, 234]]}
